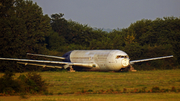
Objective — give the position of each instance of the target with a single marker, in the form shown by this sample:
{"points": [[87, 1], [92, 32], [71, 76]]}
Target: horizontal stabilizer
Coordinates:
{"points": [[143, 60], [49, 56]]}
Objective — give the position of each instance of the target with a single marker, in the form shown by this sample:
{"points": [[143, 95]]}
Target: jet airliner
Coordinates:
{"points": [[88, 60]]}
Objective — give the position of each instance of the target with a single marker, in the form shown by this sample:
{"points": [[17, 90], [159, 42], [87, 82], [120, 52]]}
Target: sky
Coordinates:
{"points": [[110, 13]]}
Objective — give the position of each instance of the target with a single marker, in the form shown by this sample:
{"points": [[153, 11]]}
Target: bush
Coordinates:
{"points": [[8, 85], [30, 83], [33, 83], [155, 89]]}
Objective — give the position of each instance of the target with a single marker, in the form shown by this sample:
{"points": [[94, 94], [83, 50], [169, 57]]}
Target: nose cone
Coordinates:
{"points": [[125, 62]]}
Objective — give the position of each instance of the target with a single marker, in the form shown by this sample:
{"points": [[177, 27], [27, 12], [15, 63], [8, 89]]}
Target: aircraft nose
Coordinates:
{"points": [[125, 62]]}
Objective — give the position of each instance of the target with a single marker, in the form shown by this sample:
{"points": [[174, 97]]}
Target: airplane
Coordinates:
{"points": [[87, 60]]}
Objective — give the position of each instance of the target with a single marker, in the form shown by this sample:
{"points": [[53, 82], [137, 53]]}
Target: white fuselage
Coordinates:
{"points": [[104, 60]]}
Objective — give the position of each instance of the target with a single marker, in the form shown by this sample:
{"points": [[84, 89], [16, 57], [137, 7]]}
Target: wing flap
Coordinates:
{"points": [[149, 59], [41, 64]]}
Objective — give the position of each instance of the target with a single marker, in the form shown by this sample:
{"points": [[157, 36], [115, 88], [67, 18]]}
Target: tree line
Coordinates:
{"points": [[25, 29]]}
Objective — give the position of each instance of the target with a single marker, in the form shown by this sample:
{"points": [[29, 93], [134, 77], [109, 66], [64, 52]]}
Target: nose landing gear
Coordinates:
{"points": [[129, 68]]}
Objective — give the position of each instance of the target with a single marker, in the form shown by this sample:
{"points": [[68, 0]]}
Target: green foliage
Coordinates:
{"points": [[23, 28], [59, 24], [155, 89], [8, 85], [30, 83], [135, 51], [33, 83], [152, 39], [55, 42], [175, 41], [71, 35]]}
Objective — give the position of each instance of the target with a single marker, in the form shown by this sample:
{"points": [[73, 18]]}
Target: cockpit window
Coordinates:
{"points": [[119, 56]]}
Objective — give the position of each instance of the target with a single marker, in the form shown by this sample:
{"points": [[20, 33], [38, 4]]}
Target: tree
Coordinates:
{"points": [[175, 41], [59, 24], [23, 28], [71, 35], [37, 25], [117, 39], [55, 41]]}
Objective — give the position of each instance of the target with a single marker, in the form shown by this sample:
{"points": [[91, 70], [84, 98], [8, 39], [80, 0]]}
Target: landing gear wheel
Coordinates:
{"points": [[129, 68], [71, 69]]}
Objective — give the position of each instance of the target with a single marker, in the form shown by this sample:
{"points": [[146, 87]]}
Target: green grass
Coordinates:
{"points": [[112, 97], [66, 82], [99, 97]]}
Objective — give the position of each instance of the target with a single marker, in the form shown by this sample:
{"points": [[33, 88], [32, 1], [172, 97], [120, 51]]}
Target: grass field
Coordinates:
{"points": [[99, 97], [71, 83], [65, 82]]}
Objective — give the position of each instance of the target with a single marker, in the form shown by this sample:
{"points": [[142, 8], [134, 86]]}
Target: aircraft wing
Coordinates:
{"points": [[149, 59], [49, 56], [46, 63]]}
